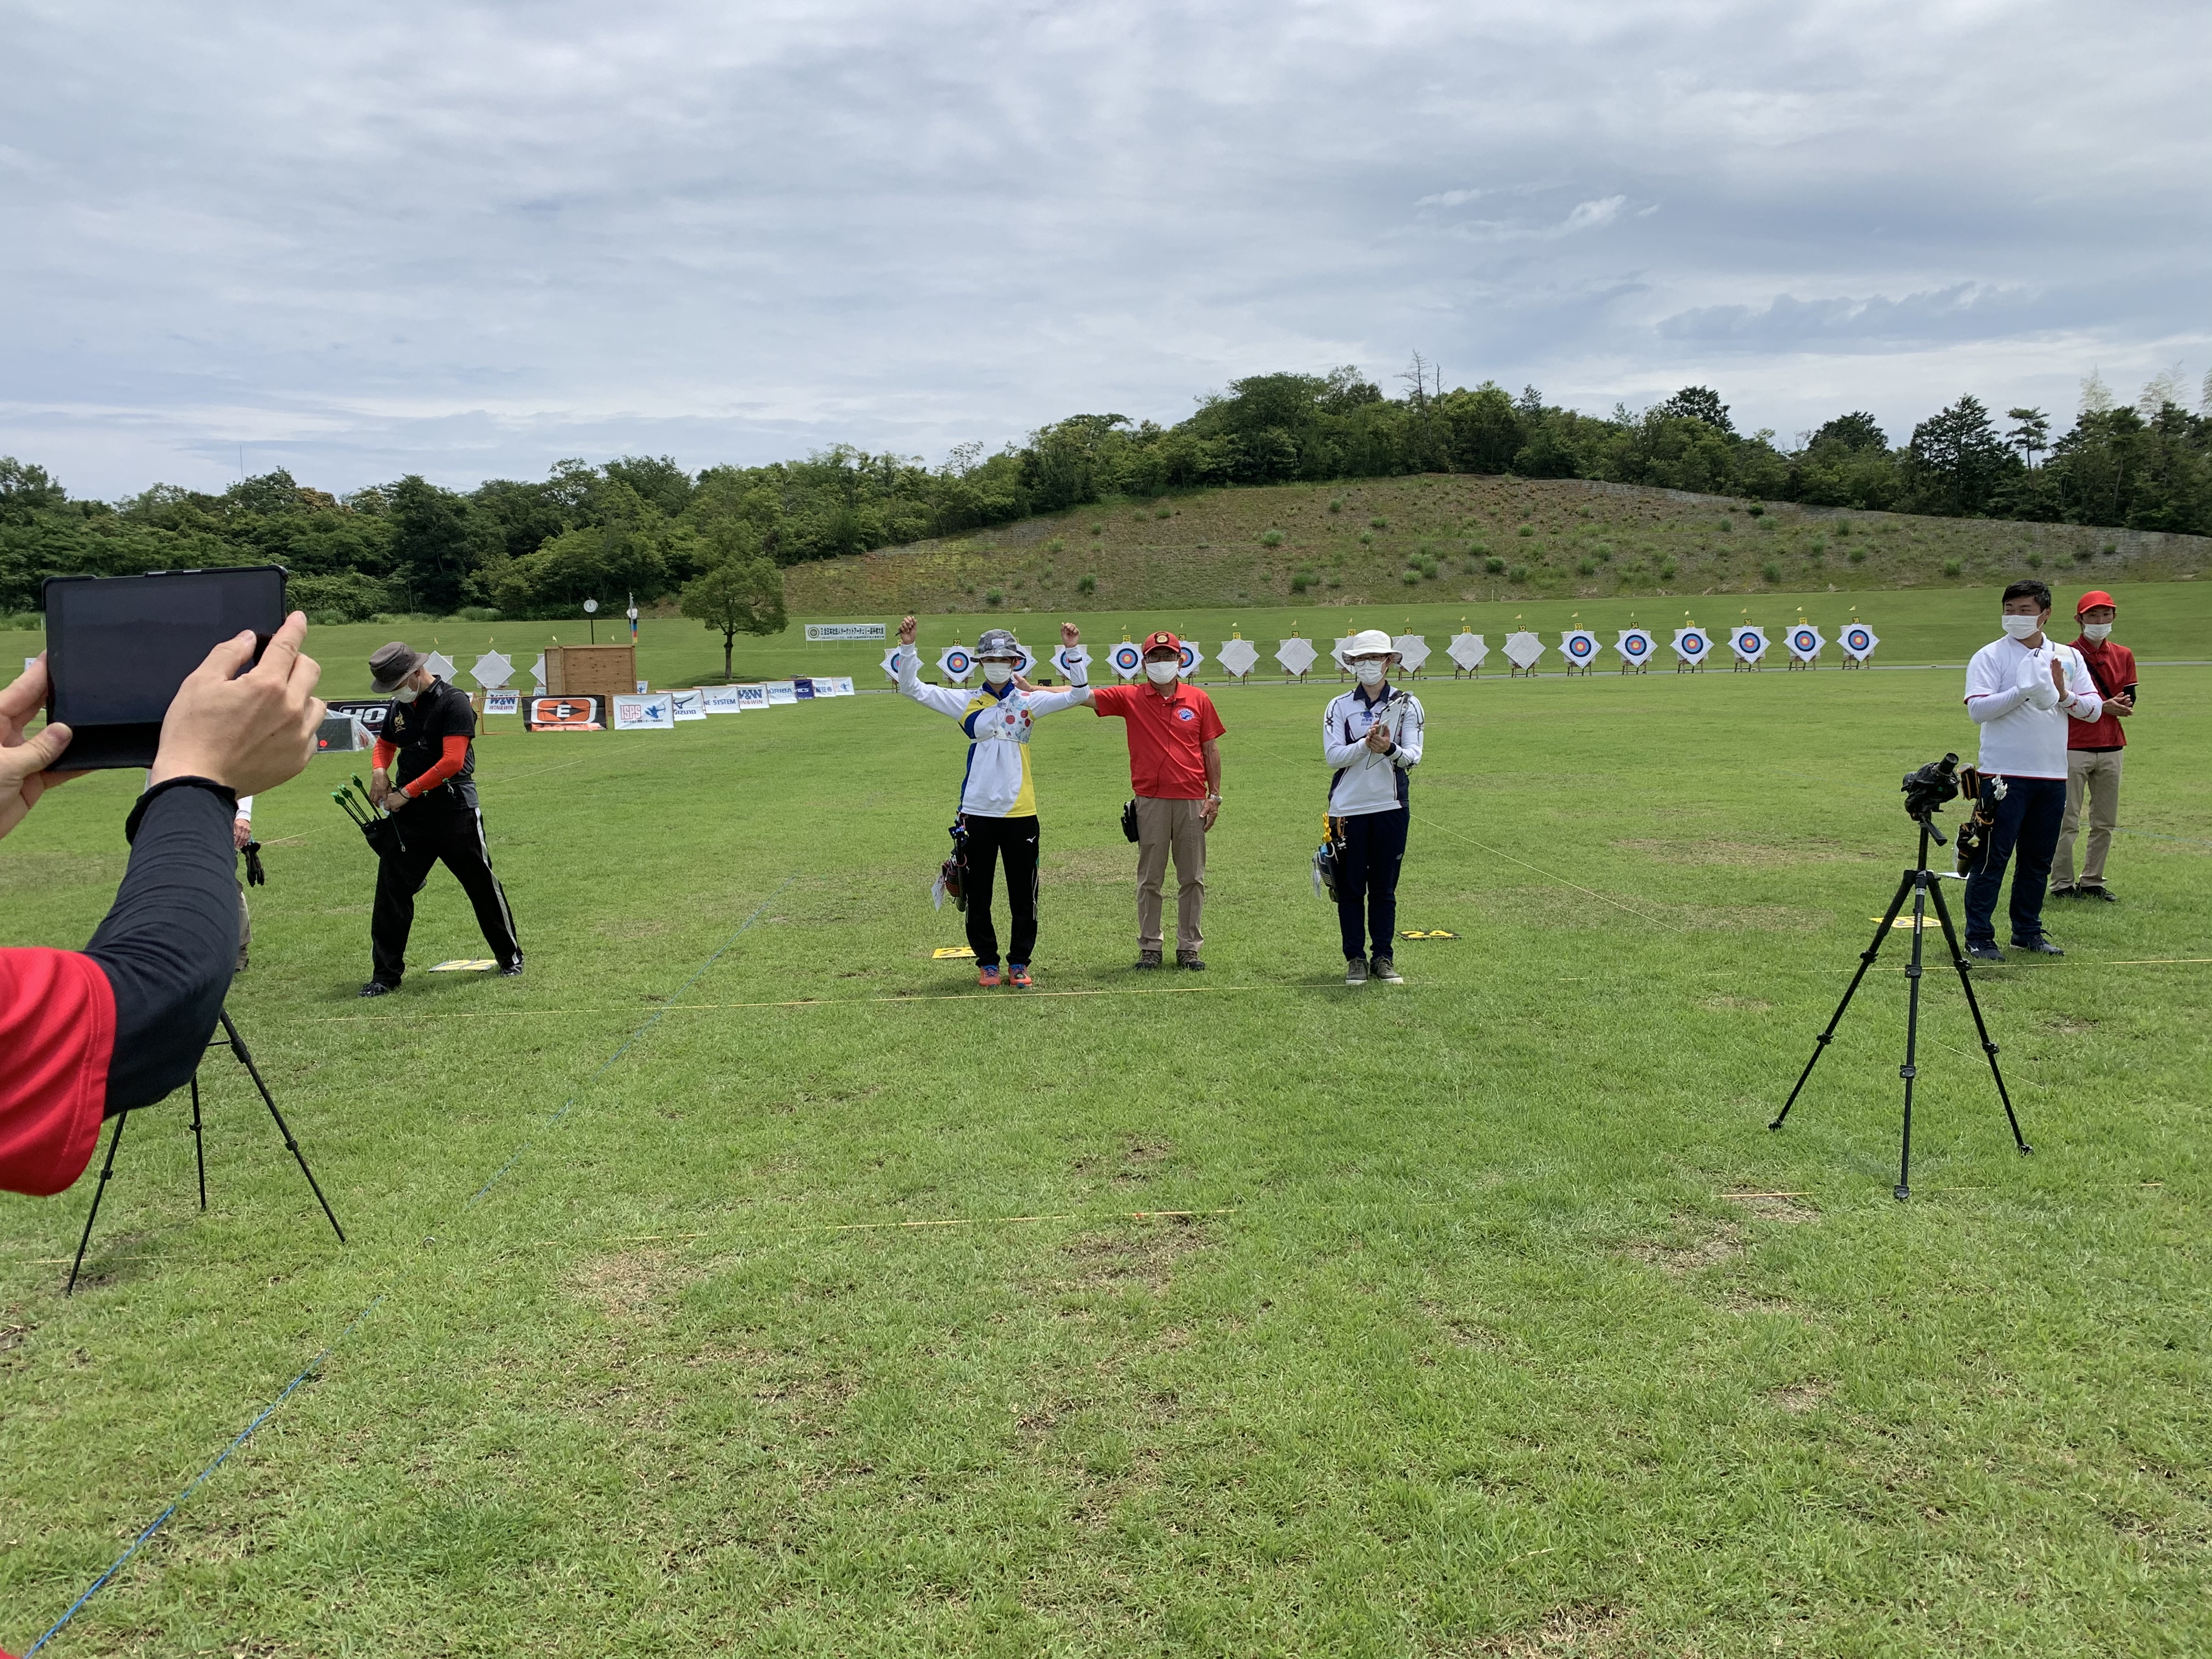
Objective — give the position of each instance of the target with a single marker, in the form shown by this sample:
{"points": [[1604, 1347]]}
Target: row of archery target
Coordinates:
{"points": [[1634, 647]]}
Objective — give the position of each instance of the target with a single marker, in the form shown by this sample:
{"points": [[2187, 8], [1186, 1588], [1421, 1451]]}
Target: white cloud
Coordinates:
{"points": [[463, 238]]}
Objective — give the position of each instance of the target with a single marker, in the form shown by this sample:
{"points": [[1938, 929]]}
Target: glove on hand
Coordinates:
{"points": [[2035, 681]]}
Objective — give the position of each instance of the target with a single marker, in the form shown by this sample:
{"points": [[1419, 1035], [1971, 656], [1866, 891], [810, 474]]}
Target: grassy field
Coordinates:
{"points": [[1496, 1321], [1452, 538]]}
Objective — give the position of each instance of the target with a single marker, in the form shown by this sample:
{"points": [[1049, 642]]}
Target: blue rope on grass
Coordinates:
{"points": [[316, 1363]]}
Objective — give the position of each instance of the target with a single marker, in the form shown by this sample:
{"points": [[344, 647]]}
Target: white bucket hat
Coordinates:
{"points": [[1370, 642]]}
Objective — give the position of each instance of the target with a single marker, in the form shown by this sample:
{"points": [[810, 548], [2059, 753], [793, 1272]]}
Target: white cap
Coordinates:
{"points": [[1370, 642]]}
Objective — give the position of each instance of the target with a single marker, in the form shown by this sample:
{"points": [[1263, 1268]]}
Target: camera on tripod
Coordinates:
{"points": [[1928, 788]]}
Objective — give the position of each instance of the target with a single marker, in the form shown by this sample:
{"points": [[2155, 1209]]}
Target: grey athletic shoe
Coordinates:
{"points": [[1386, 970], [1355, 970]]}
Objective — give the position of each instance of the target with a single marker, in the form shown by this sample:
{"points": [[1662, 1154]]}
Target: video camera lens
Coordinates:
{"points": [[1926, 788]]}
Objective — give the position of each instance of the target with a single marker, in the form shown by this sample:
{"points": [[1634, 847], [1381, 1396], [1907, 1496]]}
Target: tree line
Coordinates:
{"points": [[645, 527]]}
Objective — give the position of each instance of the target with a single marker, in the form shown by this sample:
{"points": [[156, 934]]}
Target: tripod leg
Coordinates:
{"points": [[1910, 1071], [1865, 961], [238, 1047], [1966, 984], [199, 1147], [98, 1193]]}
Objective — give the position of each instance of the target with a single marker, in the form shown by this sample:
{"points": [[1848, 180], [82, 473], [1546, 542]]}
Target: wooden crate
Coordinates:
{"points": [[591, 670]]}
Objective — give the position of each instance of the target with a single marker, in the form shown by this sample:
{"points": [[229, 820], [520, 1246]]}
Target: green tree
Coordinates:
{"points": [[437, 545], [2030, 434], [741, 595], [1956, 460], [1700, 403]]}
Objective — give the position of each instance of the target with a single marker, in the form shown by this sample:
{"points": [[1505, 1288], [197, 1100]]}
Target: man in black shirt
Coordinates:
{"points": [[429, 730]]}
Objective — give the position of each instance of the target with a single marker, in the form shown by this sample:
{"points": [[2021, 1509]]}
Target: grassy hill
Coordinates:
{"points": [[1452, 538]]}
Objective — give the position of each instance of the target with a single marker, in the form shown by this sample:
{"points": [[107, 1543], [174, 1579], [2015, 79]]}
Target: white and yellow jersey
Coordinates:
{"points": [[997, 720]]}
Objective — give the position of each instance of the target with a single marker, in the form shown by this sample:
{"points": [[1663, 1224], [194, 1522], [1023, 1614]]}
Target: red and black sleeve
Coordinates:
{"points": [[124, 1022]]}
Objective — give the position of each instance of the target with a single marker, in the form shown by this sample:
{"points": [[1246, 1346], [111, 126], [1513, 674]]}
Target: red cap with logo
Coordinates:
{"points": [[1169, 643], [2094, 596]]}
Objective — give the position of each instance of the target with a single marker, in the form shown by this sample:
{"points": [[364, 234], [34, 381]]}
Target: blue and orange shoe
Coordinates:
{"points": [[1018, 975], [988, 977]]}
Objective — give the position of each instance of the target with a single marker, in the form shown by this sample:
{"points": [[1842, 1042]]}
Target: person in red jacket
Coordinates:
{"points": [[2093, 749], [427, 737], [86, 1034]]}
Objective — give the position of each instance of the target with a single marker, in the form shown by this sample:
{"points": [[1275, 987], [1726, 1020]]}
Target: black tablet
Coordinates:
{"points": [[119, 647]]}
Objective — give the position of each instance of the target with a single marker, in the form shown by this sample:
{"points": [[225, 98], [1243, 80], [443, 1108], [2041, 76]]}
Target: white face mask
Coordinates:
{"points": [[2096, 630], [406, 693], [2021, 627], [1159, 673], [1368, 673], [998, 674]]}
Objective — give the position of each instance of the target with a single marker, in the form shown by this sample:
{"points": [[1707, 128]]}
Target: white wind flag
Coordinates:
{"points": [[1239, 657], [1748, 643], [1636, 645], [1523, 649], [1413, 651], [1467, 650], [1858, 641], [1804, 641], [492, 671], [1296, 655]]}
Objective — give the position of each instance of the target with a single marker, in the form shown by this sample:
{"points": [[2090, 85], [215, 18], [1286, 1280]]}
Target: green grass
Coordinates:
{"points": [[1466, 1351], [1213, 548]]}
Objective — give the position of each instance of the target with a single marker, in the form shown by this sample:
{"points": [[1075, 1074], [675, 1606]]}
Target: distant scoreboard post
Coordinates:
{"points": [[817, 633]]}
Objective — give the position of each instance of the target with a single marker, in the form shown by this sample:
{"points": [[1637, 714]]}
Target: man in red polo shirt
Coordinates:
{"points": [[1175, 769], [2094, 748]]}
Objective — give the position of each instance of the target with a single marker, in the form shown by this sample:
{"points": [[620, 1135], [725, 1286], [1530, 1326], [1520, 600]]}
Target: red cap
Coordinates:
{"points": [[1155, 642], [2094, 596]]}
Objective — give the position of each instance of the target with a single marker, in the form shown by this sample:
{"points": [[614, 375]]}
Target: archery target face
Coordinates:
{"points": [[1635, 647], [1189, 658], [957, 664], [1581, 648], [1694, 643], [1859, 640], [1805, 640], [1127, 659], [1750, 643]]}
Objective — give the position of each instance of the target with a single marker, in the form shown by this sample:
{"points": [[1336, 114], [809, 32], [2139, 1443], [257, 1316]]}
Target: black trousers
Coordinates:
{"points": [[1367, 865], [2027, 821], [990, 840], [436, 833]]}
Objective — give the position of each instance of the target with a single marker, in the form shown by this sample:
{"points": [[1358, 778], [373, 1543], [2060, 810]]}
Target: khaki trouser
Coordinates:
{"points": [[1165, 826], [2095, 773]]}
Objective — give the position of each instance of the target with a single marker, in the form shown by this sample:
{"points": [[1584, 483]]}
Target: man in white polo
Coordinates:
{"points": [[2023, 690], [1371, 739]]}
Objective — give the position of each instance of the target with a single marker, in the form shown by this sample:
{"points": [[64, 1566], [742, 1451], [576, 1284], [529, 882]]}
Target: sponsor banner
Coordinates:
{"points": [[501, 701], [841, 686], [566, 714], [804, 689], [650, 713], [750, 698], [818, 632], [369, 713], [780, 691], [687, 705], [720, 699]]}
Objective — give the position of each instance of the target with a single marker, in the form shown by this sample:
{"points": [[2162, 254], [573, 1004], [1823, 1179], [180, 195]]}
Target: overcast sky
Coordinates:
{"points": [[361, 240]]}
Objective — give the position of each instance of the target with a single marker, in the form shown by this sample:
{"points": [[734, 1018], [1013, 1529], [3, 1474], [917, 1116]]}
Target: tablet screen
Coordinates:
{"points": [[119, 647]]}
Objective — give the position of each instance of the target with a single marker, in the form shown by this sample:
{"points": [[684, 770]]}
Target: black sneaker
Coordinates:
{"points": [[377, 987], [1190, 959], [2104, 893], [1148, 958], [1355, 970], [512, 969], [2066, 892], [1386, 970], [1985, 953], [2040, 946]]}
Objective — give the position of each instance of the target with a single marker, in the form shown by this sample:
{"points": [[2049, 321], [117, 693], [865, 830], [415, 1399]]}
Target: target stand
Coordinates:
{"points": [[230, 1039]]}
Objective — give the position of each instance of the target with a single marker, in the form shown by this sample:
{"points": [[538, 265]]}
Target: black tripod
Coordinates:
{"points": [[230, 1039], [1921, 882]]}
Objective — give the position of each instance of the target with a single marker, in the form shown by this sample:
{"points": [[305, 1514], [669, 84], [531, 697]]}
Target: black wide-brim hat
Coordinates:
{"points": [[389, 664]]}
